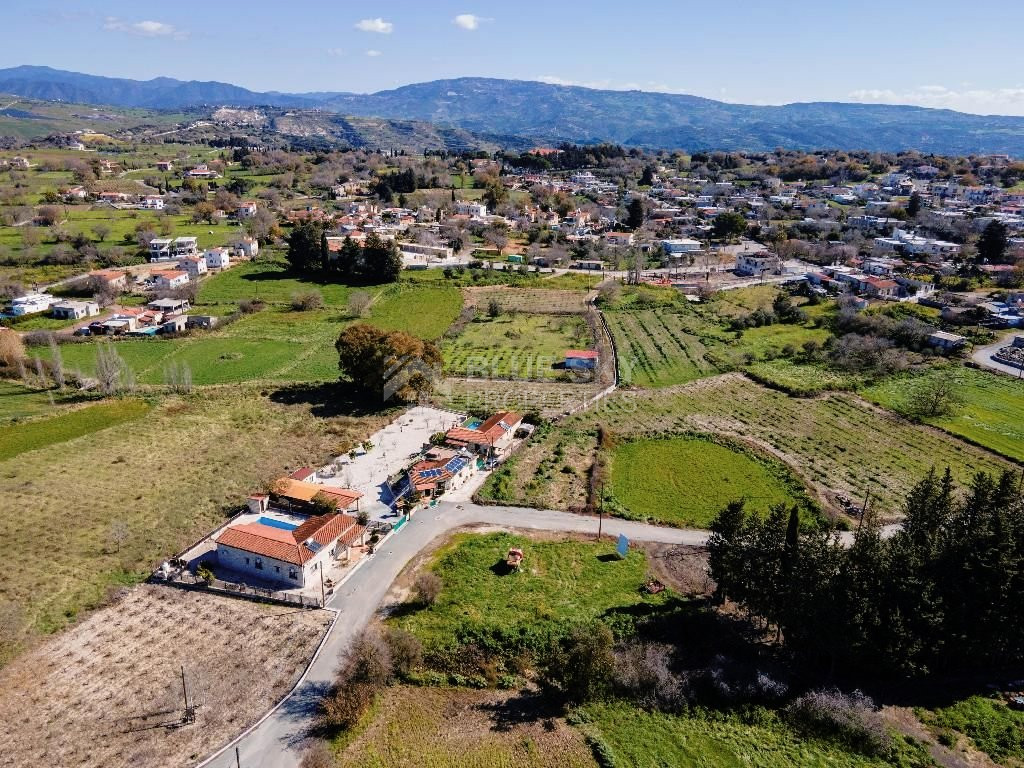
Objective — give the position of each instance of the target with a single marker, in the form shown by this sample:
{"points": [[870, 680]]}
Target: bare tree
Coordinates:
{"points": [[56, 363], [112, 373], [359, 303], [118, 534], [101, 231]]}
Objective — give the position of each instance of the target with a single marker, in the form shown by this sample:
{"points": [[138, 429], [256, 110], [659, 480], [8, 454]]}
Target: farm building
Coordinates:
{"points": [[581, 359], [298, 495], [946, 341], [442, 469]]}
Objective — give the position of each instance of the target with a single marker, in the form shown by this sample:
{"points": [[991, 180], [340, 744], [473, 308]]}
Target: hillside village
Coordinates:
{"points": [[462, 419]]}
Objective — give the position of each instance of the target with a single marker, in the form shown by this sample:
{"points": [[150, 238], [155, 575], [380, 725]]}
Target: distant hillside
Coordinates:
{"points": [[542, 114]]}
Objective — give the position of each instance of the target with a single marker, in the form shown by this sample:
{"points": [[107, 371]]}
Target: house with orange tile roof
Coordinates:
{"points": [[272, 550], [492, 437]]}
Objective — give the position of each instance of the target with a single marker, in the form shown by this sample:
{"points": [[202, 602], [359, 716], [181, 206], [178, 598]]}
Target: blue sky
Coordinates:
{"points": [[937, 53]]}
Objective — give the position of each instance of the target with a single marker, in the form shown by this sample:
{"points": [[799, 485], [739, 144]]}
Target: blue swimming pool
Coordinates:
{"points": [[472, 423], [277, 524]]}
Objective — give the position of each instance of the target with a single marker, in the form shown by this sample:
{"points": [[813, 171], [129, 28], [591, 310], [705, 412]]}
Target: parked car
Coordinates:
{"points": [[83, 331]]}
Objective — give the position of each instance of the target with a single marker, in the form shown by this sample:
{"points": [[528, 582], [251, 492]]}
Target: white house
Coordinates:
{"points": [[194, 266], [673, 247], [31, 303], [493, 436], [75, 310], [218, 258], [164, 248], [152, 202], [248, 247], [246, 210], [469, 208], [171, 278], [760, 263]]}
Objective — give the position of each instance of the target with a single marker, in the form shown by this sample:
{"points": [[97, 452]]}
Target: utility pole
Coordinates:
{"points": [[323, 595], [600, 510], [238, 760]]}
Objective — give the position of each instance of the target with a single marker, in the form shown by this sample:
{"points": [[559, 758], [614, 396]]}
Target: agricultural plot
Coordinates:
{"points": [[515, 346], [838, 443], [548, 398], [686, 481], [659, 348], [107, 693], [989, 411], [138, 492], [529, 300], [802, 379]]}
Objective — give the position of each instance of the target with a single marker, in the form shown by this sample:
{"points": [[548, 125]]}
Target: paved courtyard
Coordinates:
{"points": [[393, 449]]}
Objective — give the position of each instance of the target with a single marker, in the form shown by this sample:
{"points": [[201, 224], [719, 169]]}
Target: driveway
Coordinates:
{"points": [[277, 741], [983, 356]]}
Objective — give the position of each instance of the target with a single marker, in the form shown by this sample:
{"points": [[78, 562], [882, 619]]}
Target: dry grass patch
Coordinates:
{"points": [[530, 300], [102, 693], [444, 728]]}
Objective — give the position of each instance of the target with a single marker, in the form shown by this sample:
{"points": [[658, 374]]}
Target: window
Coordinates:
{"points": [[247, 561], [293, 573], [277, 569], [259, 563]]}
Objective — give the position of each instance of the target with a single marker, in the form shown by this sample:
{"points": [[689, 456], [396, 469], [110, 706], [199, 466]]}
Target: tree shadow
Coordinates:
{"points": [[330, 399], [609, 558], [502, 568], [524, 707]]}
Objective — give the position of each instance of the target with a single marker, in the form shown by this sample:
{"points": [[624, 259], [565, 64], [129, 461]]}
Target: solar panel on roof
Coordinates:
{"points": [[313, 545]]}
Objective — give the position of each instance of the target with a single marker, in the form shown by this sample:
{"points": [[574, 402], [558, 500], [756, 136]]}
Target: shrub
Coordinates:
{"points": [[250, 306], [849, 718], [427, 588], [406, 651], [307, 301], [580, 668]]}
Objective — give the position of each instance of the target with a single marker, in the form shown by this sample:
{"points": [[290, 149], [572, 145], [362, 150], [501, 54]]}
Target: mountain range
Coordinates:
{"points": [[546, 114]]}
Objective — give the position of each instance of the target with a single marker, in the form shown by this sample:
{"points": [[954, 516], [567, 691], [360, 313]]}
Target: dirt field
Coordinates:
{"points": [[445, 728], [104, 692]]}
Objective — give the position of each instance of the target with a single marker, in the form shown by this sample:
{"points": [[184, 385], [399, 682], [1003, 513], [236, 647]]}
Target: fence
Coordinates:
{"points": [[186, 580]]}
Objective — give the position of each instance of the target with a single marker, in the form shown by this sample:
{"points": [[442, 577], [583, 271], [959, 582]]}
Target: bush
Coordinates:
{"points": [[406, 651], [318, 756], [580, 668], [250, 306], [427, 588], [307, 301], [849, 718]]}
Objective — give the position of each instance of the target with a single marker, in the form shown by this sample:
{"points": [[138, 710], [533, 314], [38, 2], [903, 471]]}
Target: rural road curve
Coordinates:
{"points": [[277, 741], [983, 356]]}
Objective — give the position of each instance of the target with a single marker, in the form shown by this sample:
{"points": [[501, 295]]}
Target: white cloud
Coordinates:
{"points": [[377, 25], [146, 28], [985, 101], [372, 52], [335, 52], [467, 21]]}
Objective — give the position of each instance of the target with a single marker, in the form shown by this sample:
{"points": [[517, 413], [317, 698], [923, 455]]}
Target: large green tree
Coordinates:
{"points": [[993, 243], [728, 224], [307, 247], [387, 364]]}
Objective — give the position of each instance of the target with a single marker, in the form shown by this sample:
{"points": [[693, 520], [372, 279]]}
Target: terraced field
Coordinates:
{"points": [[531, 300], [658, 348]]}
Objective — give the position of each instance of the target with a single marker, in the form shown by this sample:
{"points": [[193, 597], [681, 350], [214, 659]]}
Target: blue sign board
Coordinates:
{"points": [[623, 547]]}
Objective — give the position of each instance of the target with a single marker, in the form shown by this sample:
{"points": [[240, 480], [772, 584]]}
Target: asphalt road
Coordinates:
{"points": [[277, 741], [983, 356]]}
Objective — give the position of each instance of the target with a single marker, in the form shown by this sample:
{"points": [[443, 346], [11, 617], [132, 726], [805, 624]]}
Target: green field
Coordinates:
{"points": [[802, 379], [277, 344], [515, 346], [20, 402], [639, 739], [562, 583], [20, 438], [991, 412], [686, 481]]}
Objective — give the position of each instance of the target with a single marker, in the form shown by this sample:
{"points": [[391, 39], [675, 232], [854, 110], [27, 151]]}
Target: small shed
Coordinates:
{"points": [[581, 359]]}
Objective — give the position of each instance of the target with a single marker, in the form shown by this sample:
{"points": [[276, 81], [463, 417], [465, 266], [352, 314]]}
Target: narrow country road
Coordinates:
{"points": [[277, 741], [983, 356]]}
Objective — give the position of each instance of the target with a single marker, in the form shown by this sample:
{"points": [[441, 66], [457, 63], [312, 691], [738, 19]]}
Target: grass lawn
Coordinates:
{"points": [[515, 346], [802, 379], [268, 280], [639, 739], [561, 583], [688, 480], [991, 413], [993, 727], [416, 727], [20, 438], [164, 479]]}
